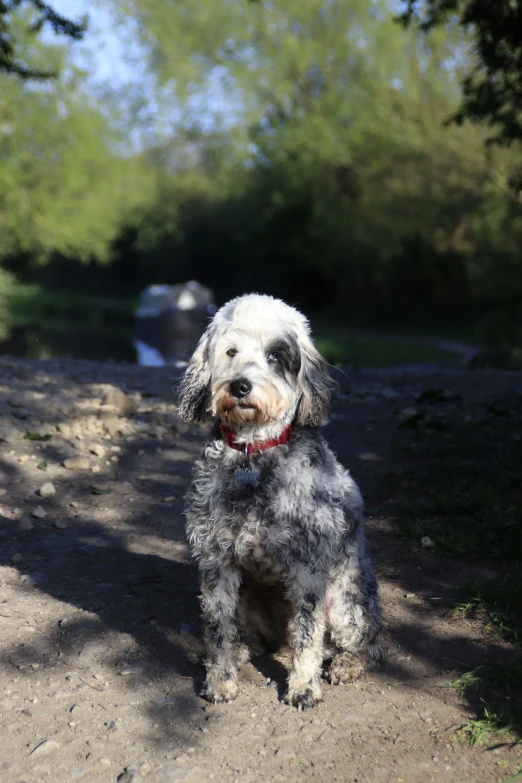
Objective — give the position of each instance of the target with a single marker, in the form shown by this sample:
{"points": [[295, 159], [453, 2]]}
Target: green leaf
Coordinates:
{"points": [[42, 465], [36, 436], [102, 491]]}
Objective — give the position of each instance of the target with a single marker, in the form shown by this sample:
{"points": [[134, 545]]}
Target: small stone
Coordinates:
{"points": [[47, 490], [90, 650], [426, 542], [130, 776], [131, 669], [24, 458], [409, 417], [45, 747], [99, 450], [26, 524], [17, 558], [389, 394], [79, 772], [76, 463], [173, 775], [61, 524], [39, 512], [95, 469], [3, 492], [170, 499], [105, 761]]}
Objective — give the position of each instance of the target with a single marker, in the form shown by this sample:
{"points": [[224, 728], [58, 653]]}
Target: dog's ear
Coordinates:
{"points": [[194, 388], [315, 386]]}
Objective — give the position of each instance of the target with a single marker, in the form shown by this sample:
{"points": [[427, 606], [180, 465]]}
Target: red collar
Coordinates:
{"points": [[256, 445]]}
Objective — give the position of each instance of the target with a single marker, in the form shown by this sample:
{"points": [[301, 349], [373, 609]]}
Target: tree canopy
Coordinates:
{"points": [[298, 148], [35, 15], [492, 88]]}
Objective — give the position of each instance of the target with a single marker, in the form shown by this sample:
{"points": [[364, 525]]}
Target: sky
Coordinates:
{"points": [[104, 50], [115, 59]]}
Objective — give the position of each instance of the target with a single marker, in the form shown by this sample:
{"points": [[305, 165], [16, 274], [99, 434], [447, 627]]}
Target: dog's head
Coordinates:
{"points": [[256, 364]]}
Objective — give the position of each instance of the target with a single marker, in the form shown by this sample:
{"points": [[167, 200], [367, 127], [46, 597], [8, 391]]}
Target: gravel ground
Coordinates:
{"points": [[100, 637]]}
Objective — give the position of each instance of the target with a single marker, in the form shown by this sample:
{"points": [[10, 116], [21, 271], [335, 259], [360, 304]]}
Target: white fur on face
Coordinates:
{"points": [[267, 343], [273, 397]]}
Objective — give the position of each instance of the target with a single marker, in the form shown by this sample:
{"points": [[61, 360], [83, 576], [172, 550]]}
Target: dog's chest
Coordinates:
{"points": [[256, 546]]}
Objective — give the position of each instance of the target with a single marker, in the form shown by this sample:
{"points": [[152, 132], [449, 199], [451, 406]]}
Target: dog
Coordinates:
{"points": [[274, 522]]}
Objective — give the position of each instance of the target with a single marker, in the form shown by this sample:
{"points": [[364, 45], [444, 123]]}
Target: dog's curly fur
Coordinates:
{"points": [[284, 562]]}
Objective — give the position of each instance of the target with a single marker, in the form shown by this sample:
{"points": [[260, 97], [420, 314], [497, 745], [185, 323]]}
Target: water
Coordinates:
{"points": [[32, 341]]}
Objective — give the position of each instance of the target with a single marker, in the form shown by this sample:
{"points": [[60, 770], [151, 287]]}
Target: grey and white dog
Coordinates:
{"points": [[274, 521]]}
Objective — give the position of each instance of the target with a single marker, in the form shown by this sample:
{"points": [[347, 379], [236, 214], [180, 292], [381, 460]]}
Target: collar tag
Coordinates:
{"points": [[244, 477]]}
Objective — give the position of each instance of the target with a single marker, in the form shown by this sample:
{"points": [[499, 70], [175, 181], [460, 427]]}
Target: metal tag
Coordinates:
{"points": [[244, 477]]}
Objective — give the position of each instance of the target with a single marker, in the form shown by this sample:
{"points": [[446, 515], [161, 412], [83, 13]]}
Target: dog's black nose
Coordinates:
{"points": [[240, 388]]}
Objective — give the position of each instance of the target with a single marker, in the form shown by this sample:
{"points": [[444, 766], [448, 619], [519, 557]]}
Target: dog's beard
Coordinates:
{"points": [[248, 410], [266, 404]]}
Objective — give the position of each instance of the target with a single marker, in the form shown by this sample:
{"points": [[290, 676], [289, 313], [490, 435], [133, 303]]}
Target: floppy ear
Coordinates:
{"points": [[315, 385], [194, 389]]}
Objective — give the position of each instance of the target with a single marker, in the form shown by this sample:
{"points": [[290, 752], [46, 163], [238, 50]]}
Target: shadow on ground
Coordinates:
{"points": [[121, 560]]}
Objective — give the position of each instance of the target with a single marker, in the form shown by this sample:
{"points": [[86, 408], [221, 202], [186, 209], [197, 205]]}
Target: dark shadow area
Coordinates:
{"points": [[124, 563], [445, 524]]}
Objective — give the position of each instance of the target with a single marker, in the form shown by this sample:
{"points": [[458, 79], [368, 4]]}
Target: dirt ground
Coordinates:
{"points": [[100, 637]]}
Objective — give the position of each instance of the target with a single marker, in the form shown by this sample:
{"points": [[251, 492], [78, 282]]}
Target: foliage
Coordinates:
{"points": [[301, 144], [62, 188], [6, 284], [492, 88], [42, 14]]}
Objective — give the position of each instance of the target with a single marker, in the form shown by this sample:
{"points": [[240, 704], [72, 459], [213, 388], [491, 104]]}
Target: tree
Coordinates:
{"points": [[65, 187], [39, 15], [492, 88]]}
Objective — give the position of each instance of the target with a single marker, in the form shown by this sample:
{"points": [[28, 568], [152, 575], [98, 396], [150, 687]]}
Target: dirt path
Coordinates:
{"points": [[99, 625]]}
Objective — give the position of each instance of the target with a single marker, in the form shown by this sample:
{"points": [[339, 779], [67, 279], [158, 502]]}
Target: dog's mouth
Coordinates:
{"points": [[231, 410]]}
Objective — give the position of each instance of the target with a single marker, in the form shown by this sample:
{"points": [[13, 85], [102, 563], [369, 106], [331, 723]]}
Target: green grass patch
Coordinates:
{"points": [[497, 683], [360, 349], [32, 303], [36, 436], [465, 524], [492, 726]]}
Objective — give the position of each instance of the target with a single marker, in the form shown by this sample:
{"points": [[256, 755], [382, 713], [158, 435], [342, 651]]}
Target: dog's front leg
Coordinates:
{"points": [[306, 591], [220, 585]]}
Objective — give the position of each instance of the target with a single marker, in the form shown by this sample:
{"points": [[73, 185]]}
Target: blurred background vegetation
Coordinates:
{"points": [[299, 148]]}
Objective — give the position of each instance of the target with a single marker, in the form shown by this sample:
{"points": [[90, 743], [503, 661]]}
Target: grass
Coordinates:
{"points": [[360, 349], [33, 303], [494, 725], [59, 311], [498, 684], [463, 491], [465, 524]]}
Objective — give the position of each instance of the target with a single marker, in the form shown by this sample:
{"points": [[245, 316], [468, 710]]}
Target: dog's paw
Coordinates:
{"points": [[304, 696], [217, 690], [345, 667]]}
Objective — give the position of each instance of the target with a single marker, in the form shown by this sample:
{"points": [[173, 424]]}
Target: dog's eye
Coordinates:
{"points": [[231, 352], [272, 358]]}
